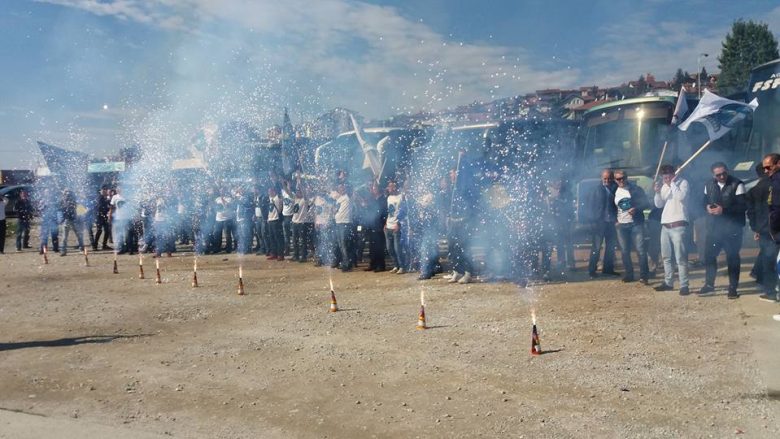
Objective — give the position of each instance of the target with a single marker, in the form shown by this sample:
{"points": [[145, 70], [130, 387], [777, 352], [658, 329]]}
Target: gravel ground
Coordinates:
{"points": [[620, 360]]}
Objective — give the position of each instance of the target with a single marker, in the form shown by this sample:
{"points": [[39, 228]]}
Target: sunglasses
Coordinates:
{"points": [[722, 174], [768, 168], [620, 178]]}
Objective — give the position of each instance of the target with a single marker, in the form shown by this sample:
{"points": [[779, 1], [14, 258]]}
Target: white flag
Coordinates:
{"points": [[681, 108], [719, 115]]}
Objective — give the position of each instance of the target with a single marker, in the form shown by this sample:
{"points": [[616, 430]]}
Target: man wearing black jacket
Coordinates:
{"points": [[26, 211], [599, 212], [758, 217], [725, 204]]}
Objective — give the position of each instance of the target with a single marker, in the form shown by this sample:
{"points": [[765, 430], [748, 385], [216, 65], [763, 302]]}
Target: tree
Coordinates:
{"points": [[679, 79], [748, 45]]}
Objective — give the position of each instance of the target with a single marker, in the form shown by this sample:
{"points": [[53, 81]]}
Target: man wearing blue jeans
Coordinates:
{"points": [[671, 195], [631, 202], [393, 228]]}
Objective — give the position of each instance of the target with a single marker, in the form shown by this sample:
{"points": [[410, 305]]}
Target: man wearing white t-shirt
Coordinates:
{"points": [[288, 202], [121, 215], [343, 218], [323, 228], [393, 233], [631, 202], [275, 233]]}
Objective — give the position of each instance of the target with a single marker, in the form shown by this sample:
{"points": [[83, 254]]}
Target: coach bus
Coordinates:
{"points": [[764, 85], [630, 134]]}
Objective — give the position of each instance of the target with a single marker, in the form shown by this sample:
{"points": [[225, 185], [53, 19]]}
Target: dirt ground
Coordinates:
{"points": [[94, 348]]}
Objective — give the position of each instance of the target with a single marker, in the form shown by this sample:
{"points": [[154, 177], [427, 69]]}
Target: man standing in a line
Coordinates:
{"points": [[26, 211], [631, 201], [671, 195], [724, 198], [600, 212], [758, 217], [3, 202]]}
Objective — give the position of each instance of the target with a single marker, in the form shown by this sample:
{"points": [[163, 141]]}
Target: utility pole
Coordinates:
{"points": [[698, 72]]}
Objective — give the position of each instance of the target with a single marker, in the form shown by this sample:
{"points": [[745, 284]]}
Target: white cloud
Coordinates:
{"points": [[396, 63]]}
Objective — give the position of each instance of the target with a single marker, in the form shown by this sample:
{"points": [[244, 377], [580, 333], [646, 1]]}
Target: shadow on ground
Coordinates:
{"points": [[70, 341]]}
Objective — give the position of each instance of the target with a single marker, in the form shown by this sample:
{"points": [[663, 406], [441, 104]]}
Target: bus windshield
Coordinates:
{"points": [[629, 136]]}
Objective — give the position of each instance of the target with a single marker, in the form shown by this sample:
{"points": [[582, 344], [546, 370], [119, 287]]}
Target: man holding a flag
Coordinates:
{"points": [[724, 195]]}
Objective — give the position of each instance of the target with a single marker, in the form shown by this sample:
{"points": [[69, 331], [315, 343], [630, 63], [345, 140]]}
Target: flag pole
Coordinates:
{"points": [[661, 160], [687, 162]]}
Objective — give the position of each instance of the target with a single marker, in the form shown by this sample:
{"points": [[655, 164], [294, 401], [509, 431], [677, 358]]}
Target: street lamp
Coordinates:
{"points": [[698, 74]]}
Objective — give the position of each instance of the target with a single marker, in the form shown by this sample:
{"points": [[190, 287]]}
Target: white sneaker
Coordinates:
{"points": [[455, 277], [394, 270], [401, 271], [465, 279], [449, 275]]}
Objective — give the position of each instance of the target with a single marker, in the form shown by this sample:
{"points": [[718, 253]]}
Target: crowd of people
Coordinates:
{"points": [[616, 210], [332, 223]]}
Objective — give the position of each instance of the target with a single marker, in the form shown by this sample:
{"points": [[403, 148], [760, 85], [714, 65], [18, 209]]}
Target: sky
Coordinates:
{"points": [[98, 75]]}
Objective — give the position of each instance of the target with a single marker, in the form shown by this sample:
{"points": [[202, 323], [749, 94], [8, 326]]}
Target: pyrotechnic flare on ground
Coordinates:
{"points": [[631, 201], [86, 257], [275, 233], [724, 198], [758, 201], [600, 213], [102, 225], [393, 230], [140, 266], [240, 280], [333, 305], [116, 267], [536, 347], [70, 218], [671, 195], [25, 211], [421, 323], [195, 273]]}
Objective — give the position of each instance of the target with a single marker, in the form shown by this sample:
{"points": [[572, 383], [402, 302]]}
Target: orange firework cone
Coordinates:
{"points": [[194, 279], [536, 348], [333, 305], [421, 319], [240, 286], [116, 269], [141, 272]]}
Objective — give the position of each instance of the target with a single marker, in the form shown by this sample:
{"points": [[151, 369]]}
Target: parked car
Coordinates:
{"points": [[12, 193]]}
